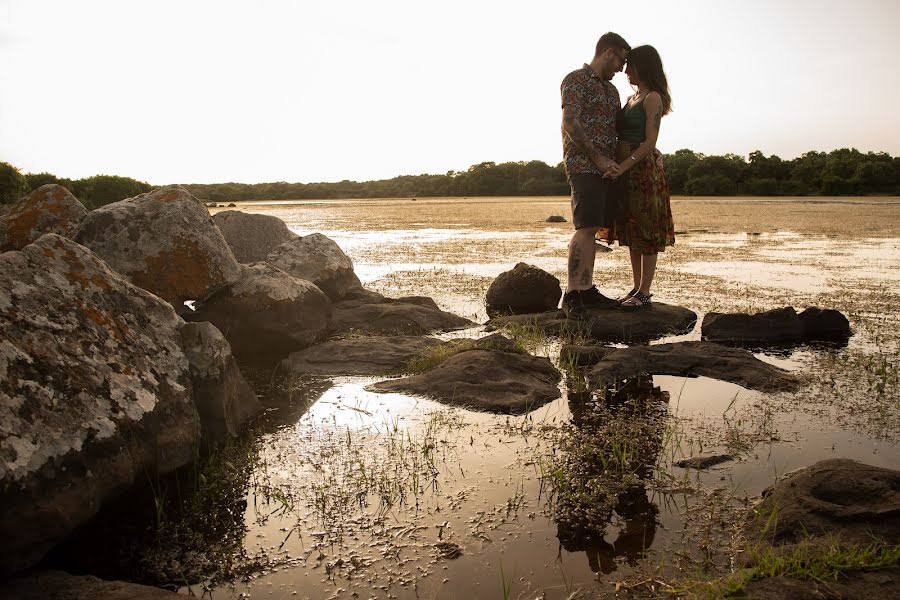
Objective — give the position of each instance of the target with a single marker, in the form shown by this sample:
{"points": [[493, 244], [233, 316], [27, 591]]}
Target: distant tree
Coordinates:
{"points": [[716, 184], [677, 166], [100, 190], [12, 184], [35, 180]]}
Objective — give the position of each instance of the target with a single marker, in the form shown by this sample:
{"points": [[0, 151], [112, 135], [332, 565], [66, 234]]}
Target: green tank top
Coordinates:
{"points": [[633, 125]]}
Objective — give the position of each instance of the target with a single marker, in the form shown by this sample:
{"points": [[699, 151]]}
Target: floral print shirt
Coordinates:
{"points": [[600, 104]]}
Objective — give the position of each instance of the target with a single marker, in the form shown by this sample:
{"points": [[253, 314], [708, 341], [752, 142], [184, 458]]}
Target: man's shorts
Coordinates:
{"points": [[594, 200]]}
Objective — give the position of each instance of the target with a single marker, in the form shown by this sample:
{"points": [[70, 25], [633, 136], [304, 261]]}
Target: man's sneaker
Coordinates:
{"points": [[573, 305], [593, 298]]}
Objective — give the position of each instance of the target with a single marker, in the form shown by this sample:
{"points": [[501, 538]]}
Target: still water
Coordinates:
{"points": [[400, 497]]}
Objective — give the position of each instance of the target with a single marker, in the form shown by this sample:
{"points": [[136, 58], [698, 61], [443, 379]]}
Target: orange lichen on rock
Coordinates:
{"points": [[183, 273]]}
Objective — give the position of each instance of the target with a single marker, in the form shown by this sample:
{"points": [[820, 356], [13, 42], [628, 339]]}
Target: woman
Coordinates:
{"points": [[645, 219]]}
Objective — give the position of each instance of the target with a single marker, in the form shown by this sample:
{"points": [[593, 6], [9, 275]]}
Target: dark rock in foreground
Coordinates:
{"points": [[524, 289], [853, 585], [377, 355], [48, 209], [490, 380], [777, 327], [372, 313], [56, 585], [583, 356], [692, 359], [610, 324], [95, 389], [251, 236], [838, 498]]}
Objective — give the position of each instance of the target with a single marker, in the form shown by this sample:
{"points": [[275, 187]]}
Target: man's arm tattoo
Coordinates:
{"points": [[576, 131]]}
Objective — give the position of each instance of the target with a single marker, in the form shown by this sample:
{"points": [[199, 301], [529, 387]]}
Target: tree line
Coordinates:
{"points": [[843, 172]]}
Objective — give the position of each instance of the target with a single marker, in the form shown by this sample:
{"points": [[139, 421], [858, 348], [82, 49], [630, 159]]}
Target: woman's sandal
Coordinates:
{"points": [[637, 300], [628, 295]]}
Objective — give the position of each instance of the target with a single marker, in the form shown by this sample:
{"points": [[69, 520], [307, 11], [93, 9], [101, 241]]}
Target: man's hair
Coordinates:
{"points": [[611, 40]]}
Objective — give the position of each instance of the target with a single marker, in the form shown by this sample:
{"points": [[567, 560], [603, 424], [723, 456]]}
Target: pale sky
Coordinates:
{"points": [[204, 91]]}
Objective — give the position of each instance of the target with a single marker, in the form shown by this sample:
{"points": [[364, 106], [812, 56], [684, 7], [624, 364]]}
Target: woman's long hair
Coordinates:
{"points": [[648, 66]]}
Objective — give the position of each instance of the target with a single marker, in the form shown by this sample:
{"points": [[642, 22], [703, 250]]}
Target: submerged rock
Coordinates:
{"points": [[266, 313], [692, 359], [490, 380], [95, 392], [703, 462], [251, 236], [318, 259], [372, 313], [837, 498], [377, 355], [224, 399], [776, 327], [163, 241], [524, 289], [609, 324], [48, 209]]}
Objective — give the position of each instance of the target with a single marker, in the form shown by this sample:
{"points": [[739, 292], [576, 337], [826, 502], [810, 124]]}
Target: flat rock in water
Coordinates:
{"points": [[95, 392], [251, 236], [583, 356], [610, 324], [840, 498], [372, 313], [57, 585], [852, 585], [490, 380], [703, 462], [48, 209], [377, 355], [776, 327], [163, 241], [692, 359]]}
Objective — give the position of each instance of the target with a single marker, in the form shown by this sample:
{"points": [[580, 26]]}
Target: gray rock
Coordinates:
{"points": [[318, 259], [266, 313], [56, 585], [250, 236], [692, 359], [372, 313], [490, 380], [48, 209], [611, 324], [163, 241], [556, 219], [95, 392], [376, 355], [777, 327], [703, 462], [835, 498], [224, 399], [524, 289]]}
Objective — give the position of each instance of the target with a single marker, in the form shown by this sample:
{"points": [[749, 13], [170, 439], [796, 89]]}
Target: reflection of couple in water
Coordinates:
{"points": [[619, 190], [584, 528]]}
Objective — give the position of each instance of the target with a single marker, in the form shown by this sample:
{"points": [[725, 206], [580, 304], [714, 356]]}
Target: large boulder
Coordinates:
{"points": [[377, 355], [776, 327], [524, 289], [95, 392], [317, 258], [251, 236], [691, 359], [609, 324], [57, 585], [374, 314], [163, 241], [266, 313], [836, 499], [48, 209], [224, 399], [490, 380]]}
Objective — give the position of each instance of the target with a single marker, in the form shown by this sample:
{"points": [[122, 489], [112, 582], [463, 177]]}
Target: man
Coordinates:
{"points": [[590, 104]]}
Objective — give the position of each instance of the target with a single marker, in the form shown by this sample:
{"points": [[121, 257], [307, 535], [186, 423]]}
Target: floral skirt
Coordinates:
{"points": [[644, 219]]}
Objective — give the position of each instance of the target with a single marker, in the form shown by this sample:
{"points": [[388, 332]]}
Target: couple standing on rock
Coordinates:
{"points": [[619, 189]]}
